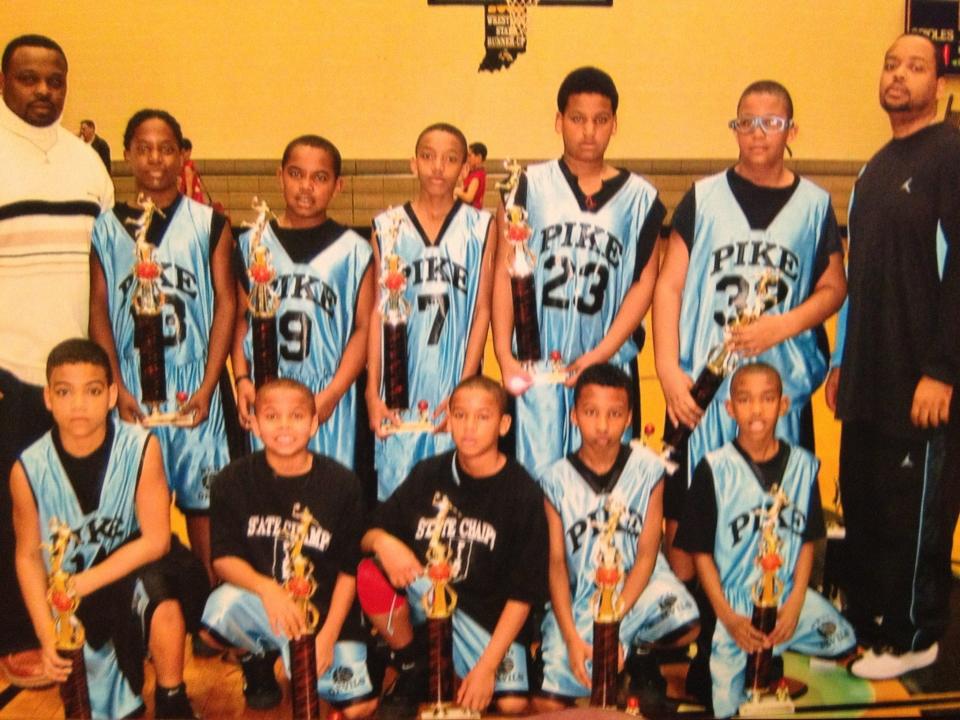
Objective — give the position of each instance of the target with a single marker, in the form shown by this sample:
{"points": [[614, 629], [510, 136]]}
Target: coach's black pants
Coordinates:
{"points": [[23, 419], [900, 502]]}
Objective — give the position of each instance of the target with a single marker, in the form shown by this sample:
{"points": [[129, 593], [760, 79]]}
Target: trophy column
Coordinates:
{"points": [[439, 604], [607, 613], [63, 601], [303, 654], [263, 301]]}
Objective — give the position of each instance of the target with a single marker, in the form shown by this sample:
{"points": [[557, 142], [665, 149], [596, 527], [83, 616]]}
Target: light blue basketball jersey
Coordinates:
{"points": [[664, 606], [727, 259], [315, 320], [97, 534], [191, 456], [583, 513], [585, 264], [741, 500], [443, 282]]}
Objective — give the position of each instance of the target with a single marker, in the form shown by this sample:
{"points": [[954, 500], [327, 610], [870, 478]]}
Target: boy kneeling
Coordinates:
{"points": [[497, 533], [721, 528], [104, 479], [581, 490], [256, 504]]}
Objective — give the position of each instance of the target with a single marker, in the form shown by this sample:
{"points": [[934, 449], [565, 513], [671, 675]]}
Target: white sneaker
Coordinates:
{"points": [[888, 664]]}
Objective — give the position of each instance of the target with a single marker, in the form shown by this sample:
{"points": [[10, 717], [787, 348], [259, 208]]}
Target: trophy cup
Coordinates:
{"points": [[439, 604], [69, 632], [520, 265], [721, 362], [764, 700], [303, 656], [607, 611], [395, 310], [263, 300], [148, 301]]}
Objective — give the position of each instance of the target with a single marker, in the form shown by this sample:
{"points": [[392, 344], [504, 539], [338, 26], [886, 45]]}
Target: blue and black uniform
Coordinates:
{"points": [[589, 251], [185, 238], [735, 231], [95, 496], [319, 273], [252, 515], [581, 499], [443, 284], [497, 534], [723, 518]]}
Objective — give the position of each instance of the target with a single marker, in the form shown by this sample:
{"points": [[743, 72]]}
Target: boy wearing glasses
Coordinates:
{"points": [[728, 231]]}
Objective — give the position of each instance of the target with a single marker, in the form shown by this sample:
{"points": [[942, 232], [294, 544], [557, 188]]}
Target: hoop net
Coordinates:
{"points": [[517, 9]]}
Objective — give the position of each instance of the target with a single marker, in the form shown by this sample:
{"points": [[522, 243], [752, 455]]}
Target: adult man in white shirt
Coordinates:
{"points": [[51, 190]]}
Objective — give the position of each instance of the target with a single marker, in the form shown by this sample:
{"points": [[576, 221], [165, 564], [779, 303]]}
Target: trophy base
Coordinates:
{"points": [[411, 426], [548, 377], [777, 699], [158, 419], [765, 706], [447, 711]]}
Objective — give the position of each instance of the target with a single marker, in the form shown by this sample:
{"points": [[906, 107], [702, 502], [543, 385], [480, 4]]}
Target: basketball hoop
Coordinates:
{"points": [[517, 9]]}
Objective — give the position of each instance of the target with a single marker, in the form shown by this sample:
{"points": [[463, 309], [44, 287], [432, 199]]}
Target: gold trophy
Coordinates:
{"points": [[439, 604], [395, 310], [263, 300], [70, 635], [764, 700], [721, 361], [607, 611], [148, 301], [301, 586], [520, 266]]}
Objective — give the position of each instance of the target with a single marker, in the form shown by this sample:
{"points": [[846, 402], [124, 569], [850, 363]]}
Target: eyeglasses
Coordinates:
{"points": [[767, 123]]}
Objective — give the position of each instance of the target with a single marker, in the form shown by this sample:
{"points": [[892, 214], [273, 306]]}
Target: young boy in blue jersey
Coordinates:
{"points": [[194, 246], [728, 231], [104, 478], [580, 491], [257, 501], [325, 284], [447, 247], [496, 532], [732, 487], [594, 232]]}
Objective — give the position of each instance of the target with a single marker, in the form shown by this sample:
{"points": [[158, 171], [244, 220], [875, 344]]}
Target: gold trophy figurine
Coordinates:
{"points": [[148, 301], [763, 700], [70, 635], [439, 604], [607, 611], [301, 586], [263, 300]]}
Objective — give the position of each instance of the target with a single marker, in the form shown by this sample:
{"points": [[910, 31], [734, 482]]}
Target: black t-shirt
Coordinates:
{"points": [[760, 205], [301, 244], [252, 510], [85, 474], [903, 279], [698, 526], [497, 526]]}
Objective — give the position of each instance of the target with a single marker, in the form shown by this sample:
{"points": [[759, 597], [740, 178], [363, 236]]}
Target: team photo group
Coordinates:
{"points": [[404, 524]]}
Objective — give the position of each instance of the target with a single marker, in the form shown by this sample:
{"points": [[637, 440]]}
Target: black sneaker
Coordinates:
{"points": [[173, 704], [260, 688], [409, 689]]}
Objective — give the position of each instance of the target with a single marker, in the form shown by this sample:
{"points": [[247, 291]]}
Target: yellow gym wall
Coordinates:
{"points": [[243, 77]]}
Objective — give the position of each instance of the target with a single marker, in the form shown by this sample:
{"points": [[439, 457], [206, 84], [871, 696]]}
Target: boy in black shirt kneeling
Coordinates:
{"points": [[256, 504], [496, 531]]}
